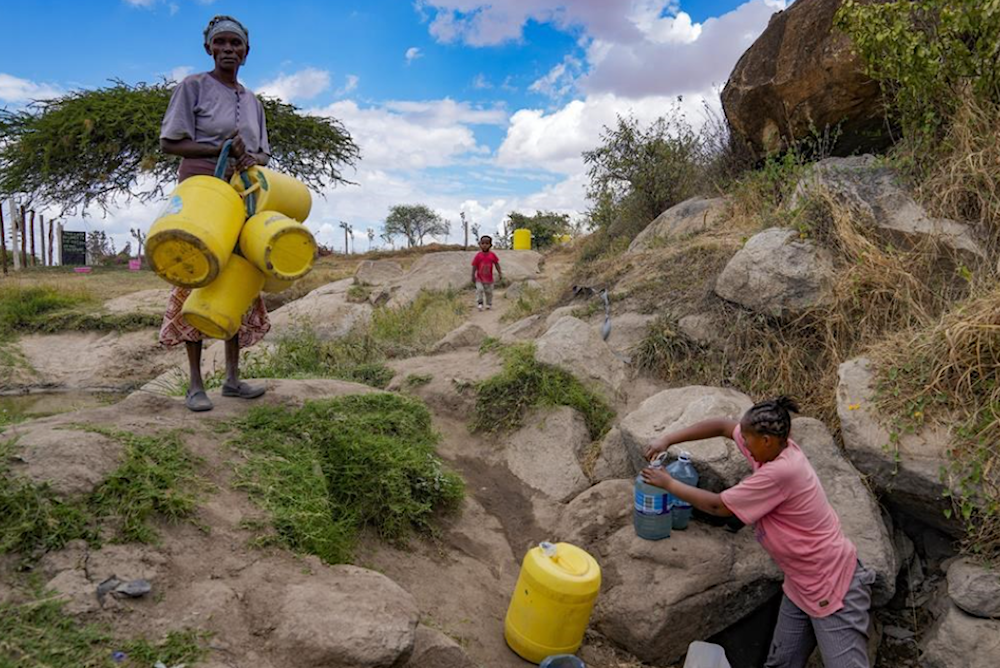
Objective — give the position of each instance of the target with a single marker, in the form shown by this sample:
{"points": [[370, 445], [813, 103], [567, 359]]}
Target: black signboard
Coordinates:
{"points": [[74, 248]]}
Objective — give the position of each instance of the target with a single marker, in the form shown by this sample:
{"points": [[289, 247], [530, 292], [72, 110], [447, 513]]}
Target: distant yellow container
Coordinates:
{"points": [[564, 238], [217, 310], [552, 602], [277, 245], [192, 239], [278, 192], [273, 285], [522, 239]]}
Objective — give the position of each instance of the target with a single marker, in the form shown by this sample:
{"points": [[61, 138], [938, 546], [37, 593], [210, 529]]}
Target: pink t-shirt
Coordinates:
{"points": [[483, 262], [794, 522]]}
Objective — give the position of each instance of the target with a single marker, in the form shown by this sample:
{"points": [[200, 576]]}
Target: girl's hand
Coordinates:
{"points": [[657, 477], [245, 161], [654, 448], [238, 148]]}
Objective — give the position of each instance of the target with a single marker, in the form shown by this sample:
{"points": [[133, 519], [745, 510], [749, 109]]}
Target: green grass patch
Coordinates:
{"points": [[329, 469], [357, 293], [43, 309], [417, 379], [529, 302], [155, 480], [501, 401], [38, 634], [412, 329]]}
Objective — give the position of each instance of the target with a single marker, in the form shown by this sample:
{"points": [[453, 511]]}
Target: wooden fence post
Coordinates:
{"points": [[31, 226], [13, 236], [52, 225], [41, 239], [24, 238], [3, 243]]}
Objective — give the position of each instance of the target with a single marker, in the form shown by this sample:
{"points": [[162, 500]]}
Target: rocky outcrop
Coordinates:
{"points": [[545, 453], [718, 460], [71, 462], [877, 193], [799, 76], [958, 640], [433, 649], [377, 272], [613, 459], [860, 516], [974, 588], [453, 270], [325, 310], [593, 516], [778, 273], [468, 335], [347, 617], [907, 467], [573, 345], [446, 382], [518, 289], [689, 217], [525, 329]]}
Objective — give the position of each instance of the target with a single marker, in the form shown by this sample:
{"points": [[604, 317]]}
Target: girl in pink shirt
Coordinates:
{"points": [[827, 592]]}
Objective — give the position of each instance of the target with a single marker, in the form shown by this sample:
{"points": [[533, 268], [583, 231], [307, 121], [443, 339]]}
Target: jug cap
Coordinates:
{"points": [[658, 460], [685, 456], [548, 549]]}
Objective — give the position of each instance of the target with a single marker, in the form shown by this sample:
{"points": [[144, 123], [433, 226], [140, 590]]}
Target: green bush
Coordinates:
{"points": [[332, 467], [501, 401]]}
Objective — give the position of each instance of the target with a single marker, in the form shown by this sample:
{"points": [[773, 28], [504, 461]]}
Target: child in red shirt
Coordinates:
{"points": [[482, 272], [827, 590]]}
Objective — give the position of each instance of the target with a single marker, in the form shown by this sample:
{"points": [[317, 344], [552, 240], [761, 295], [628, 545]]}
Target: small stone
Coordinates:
{"points": [[898, 633]]}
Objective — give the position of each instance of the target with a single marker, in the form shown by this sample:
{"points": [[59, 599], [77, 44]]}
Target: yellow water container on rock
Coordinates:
{"points": [[278, 246], [522, 239], [276, 192], [552, 602], [217, 309], [192, 239]]}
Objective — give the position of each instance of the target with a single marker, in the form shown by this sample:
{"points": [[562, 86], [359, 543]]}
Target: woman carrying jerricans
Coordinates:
{"points": [[205, 110]]}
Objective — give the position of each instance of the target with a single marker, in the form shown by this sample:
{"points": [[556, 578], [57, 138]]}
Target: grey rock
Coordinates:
{"points": [[73, 463], [689, 217], [974, 588], [325, 311], [468, 335], [718, 460], [526, 329], [613, 460], [597, 513], [433, 649], [453, 270], [377, 272], [518, 289], [778, 274], [959, 640], [544, 453], [574, 346], [702, 328]]}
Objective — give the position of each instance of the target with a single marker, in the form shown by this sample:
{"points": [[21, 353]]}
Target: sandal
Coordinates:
{"points": [[243, 391], [198, 401]]}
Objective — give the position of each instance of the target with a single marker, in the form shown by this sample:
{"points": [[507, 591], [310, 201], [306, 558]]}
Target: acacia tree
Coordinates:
{"points": [[415, 221], [545, 226], [97, 146]]}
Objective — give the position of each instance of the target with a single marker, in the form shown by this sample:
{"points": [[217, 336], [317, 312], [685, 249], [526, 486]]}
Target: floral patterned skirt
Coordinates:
{"points": [[174, 330]]}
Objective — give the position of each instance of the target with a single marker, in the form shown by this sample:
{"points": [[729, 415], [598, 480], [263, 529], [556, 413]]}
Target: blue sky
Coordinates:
{"points": [[463, 105]]}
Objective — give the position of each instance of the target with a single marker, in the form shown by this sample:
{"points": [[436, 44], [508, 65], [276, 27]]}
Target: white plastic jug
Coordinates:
{"points": [[705, 655]]}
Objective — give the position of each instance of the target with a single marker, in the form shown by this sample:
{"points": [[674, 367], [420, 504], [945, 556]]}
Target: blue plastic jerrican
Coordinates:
{"points": [[562, 661], [683, 471], [651, 513]]}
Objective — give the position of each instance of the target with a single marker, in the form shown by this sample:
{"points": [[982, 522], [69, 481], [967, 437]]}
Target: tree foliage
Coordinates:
{"points": [[638, 172], [926, 53], [414, 222], [545, 226], [94, 146]]}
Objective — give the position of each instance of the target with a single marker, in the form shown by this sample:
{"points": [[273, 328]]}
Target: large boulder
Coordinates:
{"points": [[877, 192], [573, 345], [71, 462], [325, 310], [909, 466], [627, 330], [434, 649], [613, 458], [689, 217], [801, 74], [445, 382], [545, 453], [859, 514], [718, 460], [377, 272], [467, 335], [348, 618], [959, 640], [525, 329], [453, 270], [778, 273], [974, 588]]}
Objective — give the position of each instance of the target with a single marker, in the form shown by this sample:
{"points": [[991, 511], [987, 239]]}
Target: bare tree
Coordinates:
{"points": [[140, 240]]}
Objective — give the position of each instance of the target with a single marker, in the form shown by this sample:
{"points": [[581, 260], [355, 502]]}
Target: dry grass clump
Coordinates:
{"points": [[962, 181], [951, 371]]}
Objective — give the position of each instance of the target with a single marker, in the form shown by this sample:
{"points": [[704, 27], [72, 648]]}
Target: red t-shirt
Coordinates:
{"points": [[483, 262], [795, 523]]}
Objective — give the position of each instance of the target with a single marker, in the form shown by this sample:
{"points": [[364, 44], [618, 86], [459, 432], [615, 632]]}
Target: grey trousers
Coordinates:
{"points": [[484, 290], [842, 637]]}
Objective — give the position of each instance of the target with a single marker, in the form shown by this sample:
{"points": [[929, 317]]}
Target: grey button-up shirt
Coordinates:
{"points": [[207, 111]]}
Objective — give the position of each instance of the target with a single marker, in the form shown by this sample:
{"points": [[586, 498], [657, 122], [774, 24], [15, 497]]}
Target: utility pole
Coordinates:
{"points": [[59, 240], [41, 238], [3, 243], [347, 230], [465, 226], [31, 226], [52, 224], [14, 229], [24, 238], [371, 237]]}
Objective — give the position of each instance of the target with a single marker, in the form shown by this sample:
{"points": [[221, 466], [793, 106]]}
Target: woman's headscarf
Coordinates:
{"points": [[224, 23]]}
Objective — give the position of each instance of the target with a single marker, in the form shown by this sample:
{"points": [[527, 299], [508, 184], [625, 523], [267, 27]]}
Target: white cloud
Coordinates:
{"points": [[561, 79], [302, 85], [412, 54], [141, 3], [350, 84], [18, 91], [438, 113], [178, 73], [480, 82]]}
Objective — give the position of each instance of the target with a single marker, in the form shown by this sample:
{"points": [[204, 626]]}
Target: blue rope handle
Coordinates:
{"points": [[220, 173]]}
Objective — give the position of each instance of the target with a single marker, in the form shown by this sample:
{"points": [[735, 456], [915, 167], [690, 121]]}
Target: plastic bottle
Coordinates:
{"points": [[705, 655], [562, 661], [651, 514], [683, 471]]}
